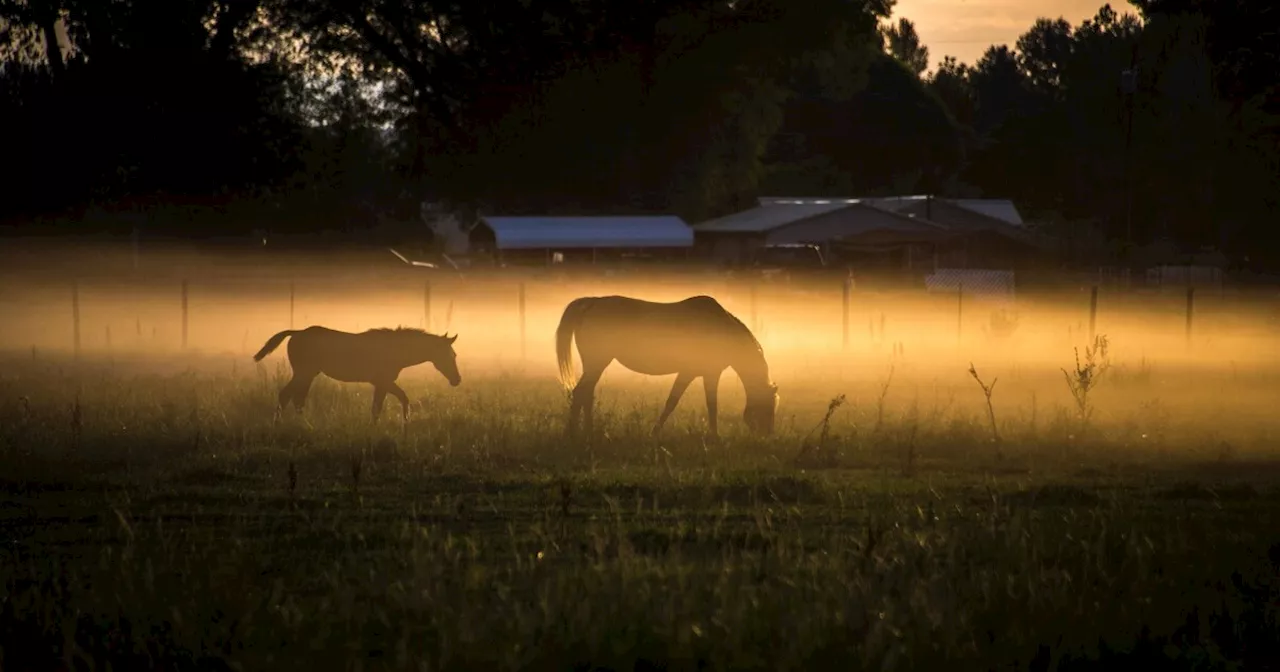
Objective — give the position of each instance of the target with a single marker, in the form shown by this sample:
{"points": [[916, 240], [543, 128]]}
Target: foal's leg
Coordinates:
{"points": [[301, 386], [379, 396], [402, 398], [286, 394], [711, 386], [677, 390]]}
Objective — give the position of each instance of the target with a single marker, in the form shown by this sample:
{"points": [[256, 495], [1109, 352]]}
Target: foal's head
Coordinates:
{"points": [[442, 356]]}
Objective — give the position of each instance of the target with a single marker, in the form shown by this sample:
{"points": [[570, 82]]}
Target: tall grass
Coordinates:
{"points": [[169, 522]]}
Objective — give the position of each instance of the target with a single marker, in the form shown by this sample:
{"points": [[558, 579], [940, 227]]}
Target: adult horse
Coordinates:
{"points": [[375, 356], [693, 338]]}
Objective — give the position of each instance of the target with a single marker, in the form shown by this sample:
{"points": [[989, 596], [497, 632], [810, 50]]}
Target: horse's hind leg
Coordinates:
{"points": [[301, 384], [584, 394], [286, 394], [289, 393]]}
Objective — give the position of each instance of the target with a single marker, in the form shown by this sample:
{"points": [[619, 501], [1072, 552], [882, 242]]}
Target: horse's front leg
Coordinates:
{"points": [[673, 399], [402, 398], [379, 396]]}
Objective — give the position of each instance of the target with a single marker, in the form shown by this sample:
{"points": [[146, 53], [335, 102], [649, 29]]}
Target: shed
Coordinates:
{"points": [[555, 238]]}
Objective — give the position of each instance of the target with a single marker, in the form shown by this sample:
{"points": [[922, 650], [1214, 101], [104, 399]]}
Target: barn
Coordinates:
{"points": [[900, 235], [734, 239]]}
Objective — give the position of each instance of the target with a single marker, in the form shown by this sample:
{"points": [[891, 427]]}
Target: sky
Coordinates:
{"points": [[965, 28]]}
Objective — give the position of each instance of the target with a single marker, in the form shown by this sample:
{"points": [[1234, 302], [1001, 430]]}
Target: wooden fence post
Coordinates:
{"points": [[523, 349], [845, 312], [1191, 294], [75, 316], [1093, 313], [426, 305], [184, 314]]}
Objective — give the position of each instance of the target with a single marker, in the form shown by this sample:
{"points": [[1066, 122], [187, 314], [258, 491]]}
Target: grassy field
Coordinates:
{"points": [[156, 516]]}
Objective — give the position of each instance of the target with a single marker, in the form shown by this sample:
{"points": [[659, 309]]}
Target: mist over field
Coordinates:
{"points": [[935, 472], [899, 516], [1220, 371]]}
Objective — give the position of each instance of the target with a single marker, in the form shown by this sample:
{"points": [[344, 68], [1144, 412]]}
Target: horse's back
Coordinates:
{"points": [[626, 318], [698, 326], [700, 306], [315, 340]]}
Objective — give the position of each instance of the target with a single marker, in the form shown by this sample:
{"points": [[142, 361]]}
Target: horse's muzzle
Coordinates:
{"points": [[455, 382]]}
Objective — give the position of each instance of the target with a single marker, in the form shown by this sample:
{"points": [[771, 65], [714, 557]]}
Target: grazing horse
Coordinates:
{"points": [[375, 356], [692, 338]]}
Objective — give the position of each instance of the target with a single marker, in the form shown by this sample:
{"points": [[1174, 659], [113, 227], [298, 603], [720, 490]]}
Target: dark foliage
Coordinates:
{"points": [[307, 115]]}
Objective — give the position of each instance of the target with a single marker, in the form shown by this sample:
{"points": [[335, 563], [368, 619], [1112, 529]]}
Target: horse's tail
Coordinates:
{"points": [[569, 322], [273, 343]]}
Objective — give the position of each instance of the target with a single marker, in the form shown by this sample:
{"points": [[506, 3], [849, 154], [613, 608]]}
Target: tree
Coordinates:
{"points": [[904, 44], [1238, 119], [1044, 53], [666, 105], [951, 84], [892, 136], [155, 100]]}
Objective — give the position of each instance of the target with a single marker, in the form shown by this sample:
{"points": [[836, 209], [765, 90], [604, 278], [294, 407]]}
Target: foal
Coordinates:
{"points": [[376, 356]]}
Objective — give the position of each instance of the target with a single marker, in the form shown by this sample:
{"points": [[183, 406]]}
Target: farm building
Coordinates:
{"points": [[910, 234], [550, 239], [733, 239]]}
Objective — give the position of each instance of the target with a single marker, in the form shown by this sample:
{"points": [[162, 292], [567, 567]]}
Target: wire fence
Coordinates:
{"points": [[512, 316]]}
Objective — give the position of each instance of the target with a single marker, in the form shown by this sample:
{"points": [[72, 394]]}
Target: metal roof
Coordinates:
{"points": [[804, 200], [785, 212], [533, 233], [999, 208], [1002, 209], [762, 219]]}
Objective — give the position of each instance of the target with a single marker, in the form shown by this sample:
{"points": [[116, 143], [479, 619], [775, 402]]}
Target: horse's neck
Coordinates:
{"points": [[404, 353], [752, 368]]}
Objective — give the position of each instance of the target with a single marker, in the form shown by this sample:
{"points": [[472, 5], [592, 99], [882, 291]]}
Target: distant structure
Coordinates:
{"points": [[905, 235], [1001, 209], [554, 240]]}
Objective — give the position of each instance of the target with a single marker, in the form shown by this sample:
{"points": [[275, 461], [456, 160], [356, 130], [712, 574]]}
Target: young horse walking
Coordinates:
{"points": [[693, 338], [375, 356]]}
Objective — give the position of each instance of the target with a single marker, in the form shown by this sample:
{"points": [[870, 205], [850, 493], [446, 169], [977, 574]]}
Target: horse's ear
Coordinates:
{"points": [[451, 339]]}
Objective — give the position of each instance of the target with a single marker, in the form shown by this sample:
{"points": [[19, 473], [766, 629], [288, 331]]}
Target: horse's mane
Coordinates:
{"points": [[745, 329]]}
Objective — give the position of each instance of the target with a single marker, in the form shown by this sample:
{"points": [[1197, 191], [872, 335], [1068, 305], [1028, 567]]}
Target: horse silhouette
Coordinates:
{"points": [[376, 356], [693, 338]]}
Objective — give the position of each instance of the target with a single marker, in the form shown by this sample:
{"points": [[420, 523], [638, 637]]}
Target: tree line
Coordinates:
{"points": [[326, 114]]}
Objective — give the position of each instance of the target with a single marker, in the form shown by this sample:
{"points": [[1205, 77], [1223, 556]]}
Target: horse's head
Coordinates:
{"points": [[446, 360], [761, 409]]}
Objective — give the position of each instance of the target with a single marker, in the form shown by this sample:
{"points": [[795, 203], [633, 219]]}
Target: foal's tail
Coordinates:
{"points": [[569, 322], [273, 343]]}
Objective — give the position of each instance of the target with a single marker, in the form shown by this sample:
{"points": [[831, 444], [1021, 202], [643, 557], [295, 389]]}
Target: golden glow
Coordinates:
{"points": [[1226, 376], [965, 28]]}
